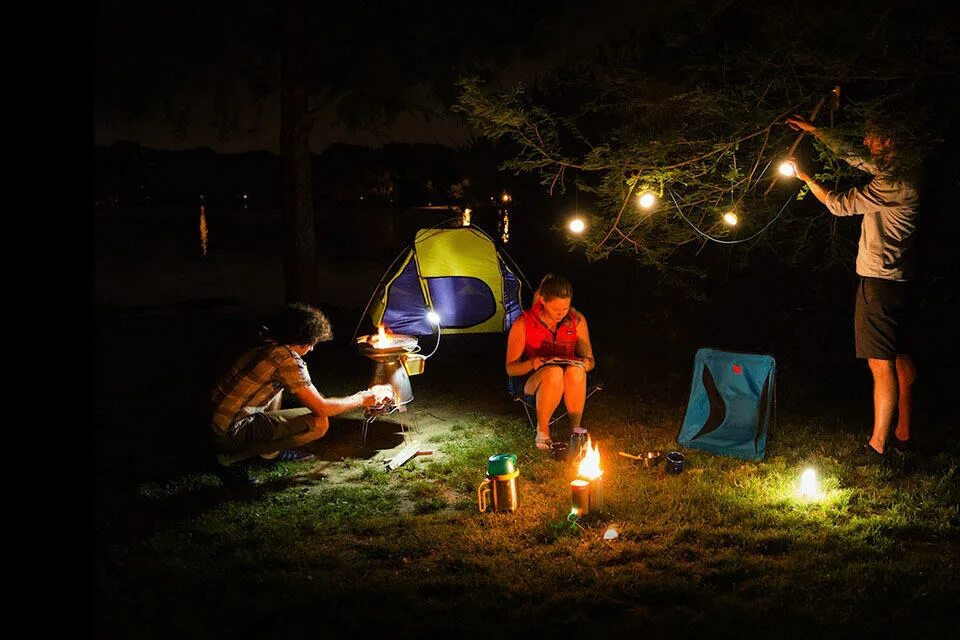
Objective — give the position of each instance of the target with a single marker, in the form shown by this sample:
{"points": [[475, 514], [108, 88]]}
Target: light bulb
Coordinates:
{"points": [[787, 169], [730, 218], [577, 225], [647, 199], [433, 317]]}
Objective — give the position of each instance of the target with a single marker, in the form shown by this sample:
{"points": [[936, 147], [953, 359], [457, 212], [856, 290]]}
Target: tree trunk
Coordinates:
{"points": [[296, 196]]}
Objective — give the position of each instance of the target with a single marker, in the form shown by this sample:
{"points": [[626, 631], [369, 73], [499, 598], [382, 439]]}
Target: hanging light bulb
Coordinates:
{"points": [[647, 199], [787, 168], [433, 317], [577, 225], [730, 218]]}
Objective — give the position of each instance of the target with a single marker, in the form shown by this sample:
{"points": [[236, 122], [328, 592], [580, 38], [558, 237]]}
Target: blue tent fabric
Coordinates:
{"points": [[511, 296], [461, 301], [404, 313], [732, 399]]}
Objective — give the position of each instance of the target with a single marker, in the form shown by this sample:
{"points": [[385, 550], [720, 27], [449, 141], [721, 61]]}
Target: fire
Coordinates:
{"points": [[590, 464], [382, 339]]}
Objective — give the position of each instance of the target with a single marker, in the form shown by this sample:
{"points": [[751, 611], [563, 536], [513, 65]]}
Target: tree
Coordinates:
{"points": [[690, 107]]}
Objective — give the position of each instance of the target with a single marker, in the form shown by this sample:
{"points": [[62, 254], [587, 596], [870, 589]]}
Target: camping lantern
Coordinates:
{"points": [[809, 486]]}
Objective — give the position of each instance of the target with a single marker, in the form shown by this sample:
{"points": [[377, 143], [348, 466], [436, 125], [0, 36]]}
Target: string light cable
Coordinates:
{"points": [[719, 240]]}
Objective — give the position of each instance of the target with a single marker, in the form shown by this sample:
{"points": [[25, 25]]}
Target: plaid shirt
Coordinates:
{"points": [[258, 377]]}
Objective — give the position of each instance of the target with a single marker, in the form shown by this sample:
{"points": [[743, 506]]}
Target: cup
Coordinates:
{"points": [[559, 450], [674, 462], [578, 442]]}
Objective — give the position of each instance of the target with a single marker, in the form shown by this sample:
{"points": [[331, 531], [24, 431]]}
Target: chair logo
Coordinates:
{"points": [[738, 370]]}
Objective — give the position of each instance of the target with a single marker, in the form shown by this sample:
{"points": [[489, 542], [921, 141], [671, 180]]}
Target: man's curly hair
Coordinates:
{"points": [[299, 323]]}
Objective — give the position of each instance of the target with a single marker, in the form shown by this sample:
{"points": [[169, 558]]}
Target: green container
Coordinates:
{"points": [[501, 464]]}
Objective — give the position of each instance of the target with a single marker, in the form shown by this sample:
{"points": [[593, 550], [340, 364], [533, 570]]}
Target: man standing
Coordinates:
{"points": [[883, 313]]}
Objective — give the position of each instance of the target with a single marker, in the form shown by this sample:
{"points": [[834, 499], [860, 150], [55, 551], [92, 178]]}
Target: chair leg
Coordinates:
{"points": [[531, 416]]}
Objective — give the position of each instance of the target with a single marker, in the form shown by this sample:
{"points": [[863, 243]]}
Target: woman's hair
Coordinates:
{"points": [[554, 286], [299, 323]]}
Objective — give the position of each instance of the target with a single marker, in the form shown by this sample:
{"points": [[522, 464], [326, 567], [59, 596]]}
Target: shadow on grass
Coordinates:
{"points": [[152, 504]]}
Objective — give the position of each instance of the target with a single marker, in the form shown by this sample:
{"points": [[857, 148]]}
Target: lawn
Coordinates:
{"points": [[339, 546]]}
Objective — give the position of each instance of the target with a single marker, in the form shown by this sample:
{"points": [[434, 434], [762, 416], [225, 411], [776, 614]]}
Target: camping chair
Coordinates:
{"points": [[732, 401], [529, 403]]}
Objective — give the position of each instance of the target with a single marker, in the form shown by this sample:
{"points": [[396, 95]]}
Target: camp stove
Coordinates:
{"points": [[390, 354]]}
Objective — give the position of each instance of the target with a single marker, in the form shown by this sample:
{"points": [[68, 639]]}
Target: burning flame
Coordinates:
{"points": [[590, 464], [382, 339]]}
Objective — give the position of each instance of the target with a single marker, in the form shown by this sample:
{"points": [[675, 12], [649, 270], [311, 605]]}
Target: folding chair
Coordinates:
{"points": [[529, 403], [732, 402]]}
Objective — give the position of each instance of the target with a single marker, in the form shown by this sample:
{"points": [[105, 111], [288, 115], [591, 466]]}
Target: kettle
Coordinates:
{"points": [[499, 488]]}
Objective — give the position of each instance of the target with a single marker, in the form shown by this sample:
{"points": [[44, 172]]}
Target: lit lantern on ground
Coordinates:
{"points": [[809, 486]]}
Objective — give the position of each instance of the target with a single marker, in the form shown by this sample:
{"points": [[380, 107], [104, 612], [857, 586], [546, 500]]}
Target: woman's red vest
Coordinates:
{"points": [[542, 343]]}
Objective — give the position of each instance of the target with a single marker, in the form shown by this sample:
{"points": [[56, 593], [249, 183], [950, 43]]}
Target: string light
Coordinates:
{"points": [[577, 225], [673, 196], [787, 169], [647, 199], [730, 218]]}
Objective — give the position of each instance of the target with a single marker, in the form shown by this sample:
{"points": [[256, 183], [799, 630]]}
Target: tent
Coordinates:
{"points": [[732, 398], [458, 272]]}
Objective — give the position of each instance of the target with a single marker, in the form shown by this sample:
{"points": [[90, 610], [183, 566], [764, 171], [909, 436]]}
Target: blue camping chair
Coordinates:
{"points": [[732, 400], [529, 403]]}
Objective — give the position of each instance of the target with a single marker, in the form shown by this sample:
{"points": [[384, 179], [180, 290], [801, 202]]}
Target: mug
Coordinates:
{"points": [[501, 491], [674, 462]]}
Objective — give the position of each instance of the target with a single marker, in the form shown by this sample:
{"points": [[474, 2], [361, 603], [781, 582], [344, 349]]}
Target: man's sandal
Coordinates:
{"points": [[543, 442]]}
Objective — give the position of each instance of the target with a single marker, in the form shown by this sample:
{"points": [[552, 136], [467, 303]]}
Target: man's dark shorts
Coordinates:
{"points": [[264, 427], [883, 318]]}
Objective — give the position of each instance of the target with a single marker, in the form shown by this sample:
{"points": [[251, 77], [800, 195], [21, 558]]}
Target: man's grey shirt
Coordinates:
{"points": [[889, 208]]}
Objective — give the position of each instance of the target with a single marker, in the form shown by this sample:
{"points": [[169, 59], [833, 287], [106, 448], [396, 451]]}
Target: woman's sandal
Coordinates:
{"points": [[543, 442]]}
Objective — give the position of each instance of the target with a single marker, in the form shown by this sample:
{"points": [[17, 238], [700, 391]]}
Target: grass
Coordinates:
{"points": [[717, 549]]}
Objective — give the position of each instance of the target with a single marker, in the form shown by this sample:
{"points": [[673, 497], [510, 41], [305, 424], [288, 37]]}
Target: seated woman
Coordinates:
{"points": [[550, 345]]}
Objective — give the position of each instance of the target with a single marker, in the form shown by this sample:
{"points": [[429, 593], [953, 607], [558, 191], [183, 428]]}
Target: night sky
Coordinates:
{"points": [[139, 41]]}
